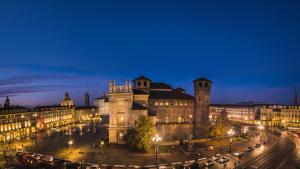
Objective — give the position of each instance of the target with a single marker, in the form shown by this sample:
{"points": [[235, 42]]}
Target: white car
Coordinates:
{"points": [[237, 154], [209, 163], [93, 166], [223, 159], [216, 157]]}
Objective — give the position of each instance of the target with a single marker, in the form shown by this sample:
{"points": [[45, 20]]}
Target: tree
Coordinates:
{"points": [[139, 138], [222, 125]]}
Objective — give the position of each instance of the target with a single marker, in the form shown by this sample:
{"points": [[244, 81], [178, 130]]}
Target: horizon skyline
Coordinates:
{"points": [[120, 82], [250, 49]]}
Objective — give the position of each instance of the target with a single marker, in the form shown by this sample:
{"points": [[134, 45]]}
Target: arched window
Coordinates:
{"points": [[200, 84], [206, 84]]}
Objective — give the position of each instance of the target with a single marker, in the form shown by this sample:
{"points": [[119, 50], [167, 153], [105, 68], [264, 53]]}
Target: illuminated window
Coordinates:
{"points": [[179, 119]]}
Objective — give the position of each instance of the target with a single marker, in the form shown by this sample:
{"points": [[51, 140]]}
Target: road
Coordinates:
{"points": [[280, 152], [277, 157]]}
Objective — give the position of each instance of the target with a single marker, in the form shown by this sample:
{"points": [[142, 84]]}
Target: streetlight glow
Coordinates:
{"points": [[156, 139]]}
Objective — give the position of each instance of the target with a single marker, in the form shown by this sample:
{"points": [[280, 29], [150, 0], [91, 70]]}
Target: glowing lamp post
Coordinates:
{"points": [[156, 139], [261, 127], [230, 134], [102, 146], [70, 143]]}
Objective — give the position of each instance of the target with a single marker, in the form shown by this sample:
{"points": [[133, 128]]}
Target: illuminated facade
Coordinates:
{"points": [[86, 114], [172, 110], [102, 104], [281, 116], [53, 116], [16, 123], [246, 114], [67, 101]]}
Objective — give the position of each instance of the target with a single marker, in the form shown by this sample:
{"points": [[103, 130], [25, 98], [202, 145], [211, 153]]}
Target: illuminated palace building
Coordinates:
{"points": [[18, 122], [176, 114]]}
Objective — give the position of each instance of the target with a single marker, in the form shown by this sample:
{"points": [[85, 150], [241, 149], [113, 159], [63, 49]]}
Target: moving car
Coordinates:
{"points": [[238, 154], [251, 148], [209, 163], [223, 159]]}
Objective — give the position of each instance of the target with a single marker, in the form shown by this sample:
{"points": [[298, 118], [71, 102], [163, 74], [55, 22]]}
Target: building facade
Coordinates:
{"points": [[19, 122], [67, 101], [245, 114], [53, 116], [172, 110], [16, 123]]}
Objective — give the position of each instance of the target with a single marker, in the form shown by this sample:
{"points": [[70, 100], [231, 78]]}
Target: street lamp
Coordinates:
{"points": [[245, 130], [70, 143], [102, 146], [156, 139], [261, 127], [230, 134]]}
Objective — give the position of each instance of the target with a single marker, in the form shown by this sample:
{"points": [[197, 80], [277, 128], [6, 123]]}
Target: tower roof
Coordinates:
{"points": [[67, 97], [142, 78], [202, 79]]}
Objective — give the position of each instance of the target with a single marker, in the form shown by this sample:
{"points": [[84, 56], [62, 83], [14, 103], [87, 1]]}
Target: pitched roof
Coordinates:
{"points": [[202, 79], [159, 85], [136, 106], [142, 78], [170, 95]]}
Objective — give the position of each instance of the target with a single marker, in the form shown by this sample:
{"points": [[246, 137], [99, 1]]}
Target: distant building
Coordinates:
{"points": [[53, 116], [67, 101], [281, 116], [6, 103], [16, 123], [102, 104], [245, 114], [87, 100], [86, 114]]}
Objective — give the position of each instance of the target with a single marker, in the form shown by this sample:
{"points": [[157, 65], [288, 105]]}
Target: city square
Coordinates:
{"points": [[185, 84]]}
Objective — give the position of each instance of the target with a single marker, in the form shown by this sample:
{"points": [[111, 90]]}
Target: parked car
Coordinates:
{"points": [[210, 148], [223, 159], [216, 157], [209, 163], [92, 166], [257, 145]]}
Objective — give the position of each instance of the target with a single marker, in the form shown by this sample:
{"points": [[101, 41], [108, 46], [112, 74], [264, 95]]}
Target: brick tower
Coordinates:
{"points": [[201, 107]]}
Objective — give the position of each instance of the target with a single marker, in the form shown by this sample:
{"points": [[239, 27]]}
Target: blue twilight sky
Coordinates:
{"points": [[250, 49]]}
